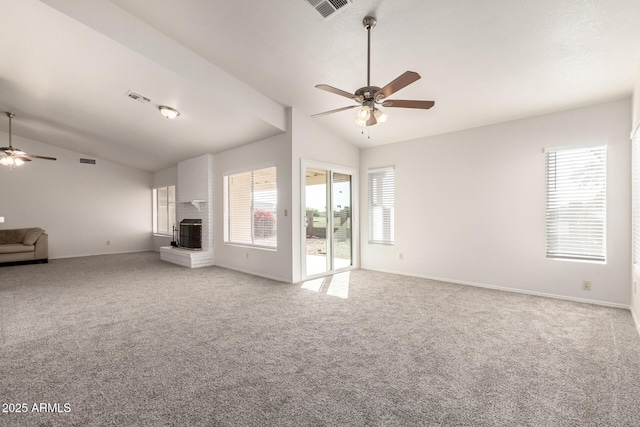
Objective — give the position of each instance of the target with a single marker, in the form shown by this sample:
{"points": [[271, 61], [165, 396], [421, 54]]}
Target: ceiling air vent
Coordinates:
{"points": [[88, 161], [328, 8], [140, 98]]}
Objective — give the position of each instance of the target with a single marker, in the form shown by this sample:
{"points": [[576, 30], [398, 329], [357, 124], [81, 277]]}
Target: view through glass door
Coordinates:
{"points": [[328, 221]]}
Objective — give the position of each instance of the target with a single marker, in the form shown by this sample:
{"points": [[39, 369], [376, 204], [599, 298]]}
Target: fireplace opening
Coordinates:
{"points": [[191, 234]]}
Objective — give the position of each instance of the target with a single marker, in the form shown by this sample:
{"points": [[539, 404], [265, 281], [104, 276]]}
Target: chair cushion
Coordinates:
{"points": [[32, 235], [12, 248]]}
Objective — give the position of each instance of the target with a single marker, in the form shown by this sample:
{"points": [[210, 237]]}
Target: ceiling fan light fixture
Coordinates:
{"points": [[168, 112], [364, 113], [380, 116], [10, 161]]}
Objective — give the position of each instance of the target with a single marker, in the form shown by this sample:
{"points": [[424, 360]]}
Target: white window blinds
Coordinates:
{"points": [[381, 205], [251, 207], [164, 210], [576, 203]]}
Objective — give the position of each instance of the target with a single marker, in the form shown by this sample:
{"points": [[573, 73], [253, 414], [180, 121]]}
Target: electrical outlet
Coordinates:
{"points": [[247, 255], [401, 256], [108, 242], [586, 285]]}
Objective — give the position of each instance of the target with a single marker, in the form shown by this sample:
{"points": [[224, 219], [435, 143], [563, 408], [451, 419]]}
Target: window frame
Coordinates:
{"points": [[565, 186], [255, 241], [155, 210], [388, 233]]}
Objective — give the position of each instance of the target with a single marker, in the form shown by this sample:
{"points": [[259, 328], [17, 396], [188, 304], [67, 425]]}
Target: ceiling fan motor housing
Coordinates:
{"points": [[369, 22], [367, 93]]}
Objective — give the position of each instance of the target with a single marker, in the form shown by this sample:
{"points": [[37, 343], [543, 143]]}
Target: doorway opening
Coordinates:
{"points": [[328, 227]]}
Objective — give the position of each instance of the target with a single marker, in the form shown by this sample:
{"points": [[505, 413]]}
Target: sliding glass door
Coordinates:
{"points": [[328, 222], [342, 221]]}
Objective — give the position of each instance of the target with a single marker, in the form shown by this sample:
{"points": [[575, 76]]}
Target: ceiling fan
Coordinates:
{"points": [[12, 157], [370, 97]]}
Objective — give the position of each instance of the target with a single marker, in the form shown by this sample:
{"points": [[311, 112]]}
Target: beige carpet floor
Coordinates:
{"points": [[128, 340]]}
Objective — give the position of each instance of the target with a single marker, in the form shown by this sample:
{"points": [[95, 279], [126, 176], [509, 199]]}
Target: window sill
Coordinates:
{"points": [[262, 248], [585, 261], [163, 235]]}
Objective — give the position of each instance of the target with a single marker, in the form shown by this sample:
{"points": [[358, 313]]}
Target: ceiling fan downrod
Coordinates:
{"points": [[369, 22], [11, 116]]}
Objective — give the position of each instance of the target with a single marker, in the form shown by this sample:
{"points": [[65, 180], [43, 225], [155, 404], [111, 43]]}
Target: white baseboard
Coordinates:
{"points": [[501, 288], [102, 253], [253, 273], [636, 319]]}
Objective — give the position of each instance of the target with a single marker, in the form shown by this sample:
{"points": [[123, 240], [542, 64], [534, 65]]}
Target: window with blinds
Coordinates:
{"points": [[250, 208], [164, 210], [576, 203], [381, 205]]}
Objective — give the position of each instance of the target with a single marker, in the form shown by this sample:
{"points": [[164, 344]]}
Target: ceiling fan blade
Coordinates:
{"points": [[336, 91], [33, 156], [23, 158], [425, 105], [335, 111], [400, 82]]}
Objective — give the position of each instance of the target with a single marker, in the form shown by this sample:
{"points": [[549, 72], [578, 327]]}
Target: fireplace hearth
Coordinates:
{"points": [[191, 234]]}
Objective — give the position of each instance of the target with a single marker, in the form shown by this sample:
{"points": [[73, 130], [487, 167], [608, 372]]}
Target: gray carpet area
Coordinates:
{"points": [[130, 340]]}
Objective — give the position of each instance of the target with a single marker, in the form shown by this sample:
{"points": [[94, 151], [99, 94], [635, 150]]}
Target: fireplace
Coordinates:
{"points": [[191, 234]]}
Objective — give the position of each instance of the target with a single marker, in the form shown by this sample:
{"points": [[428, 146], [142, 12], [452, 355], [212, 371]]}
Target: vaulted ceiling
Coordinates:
{"points": [[232, 68]]}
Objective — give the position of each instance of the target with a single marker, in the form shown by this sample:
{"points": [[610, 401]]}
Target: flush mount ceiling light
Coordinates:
{"points": [[168, 112], [12, 157]]}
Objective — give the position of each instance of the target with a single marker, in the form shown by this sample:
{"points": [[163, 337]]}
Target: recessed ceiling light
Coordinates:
{"points": [[168, 112]]}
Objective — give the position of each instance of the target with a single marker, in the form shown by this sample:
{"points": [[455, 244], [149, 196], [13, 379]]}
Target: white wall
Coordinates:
{"points": [[635, 298], [164, 178], [274, 264], [80, 206], [635, 294], [470, 205], [636, 101], [312, 142]]}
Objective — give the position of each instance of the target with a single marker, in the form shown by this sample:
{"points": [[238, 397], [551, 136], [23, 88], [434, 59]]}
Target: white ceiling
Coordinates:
{"points": [[232, 67]]}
